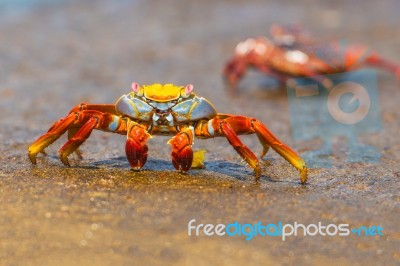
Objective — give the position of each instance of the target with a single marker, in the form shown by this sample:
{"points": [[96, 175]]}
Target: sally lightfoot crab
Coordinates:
{"points": [[163, 110], [292, 53]]}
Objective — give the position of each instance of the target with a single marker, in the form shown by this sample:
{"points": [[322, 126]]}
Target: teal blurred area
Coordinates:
{"points": [[13, 4], [14, 9]]}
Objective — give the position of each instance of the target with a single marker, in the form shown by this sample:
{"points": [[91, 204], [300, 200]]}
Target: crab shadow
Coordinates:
{"points": [[219, 168]]}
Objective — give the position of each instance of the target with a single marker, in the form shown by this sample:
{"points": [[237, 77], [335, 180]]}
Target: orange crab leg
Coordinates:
{"points": [[376, 60], [104, 108], [240, 148], [80, 137], [87, 120], [71, 133], [182, 153], [268, 139], [73, 122], [357, 55], [55, 131], [230, 126]]}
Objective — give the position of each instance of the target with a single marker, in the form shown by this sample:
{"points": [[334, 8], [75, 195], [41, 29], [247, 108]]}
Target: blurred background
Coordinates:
{"points": [[56, 54]]}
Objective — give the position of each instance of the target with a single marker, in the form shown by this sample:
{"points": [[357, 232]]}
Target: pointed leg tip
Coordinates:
{"points": [[264, 152], [303, 175], [32, 155], [65, 160], [32, 158], [257, 173]]}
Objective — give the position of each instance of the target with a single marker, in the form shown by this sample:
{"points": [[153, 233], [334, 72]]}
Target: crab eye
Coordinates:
{"points": [[187, 90], [135, 87]]}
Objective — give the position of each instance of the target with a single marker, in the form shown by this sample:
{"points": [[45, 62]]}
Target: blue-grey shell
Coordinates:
{"points": [[191, 109], [134, 108]]}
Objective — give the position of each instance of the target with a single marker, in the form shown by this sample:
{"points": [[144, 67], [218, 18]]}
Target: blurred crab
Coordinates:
{"points": [[163, 110], [293, 53]]}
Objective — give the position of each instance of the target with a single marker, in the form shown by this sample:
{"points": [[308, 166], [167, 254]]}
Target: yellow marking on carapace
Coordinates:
{"points": [[162, 93]]}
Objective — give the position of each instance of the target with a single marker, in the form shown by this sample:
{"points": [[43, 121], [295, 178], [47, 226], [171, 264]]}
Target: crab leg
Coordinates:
{"points": [[376, 60], [182, 153], [73, 143], [71, 133], [77, 118], [87, 121], [240, 148], [104, 108], [230, 126], [55, 131], [268, 139]]}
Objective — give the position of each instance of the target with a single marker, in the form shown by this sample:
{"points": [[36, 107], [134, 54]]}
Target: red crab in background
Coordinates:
{"points": [[291, 52]]}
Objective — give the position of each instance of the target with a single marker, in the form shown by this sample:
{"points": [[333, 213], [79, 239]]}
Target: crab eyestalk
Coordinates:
{"points": [[185, 92], [136, 89]]}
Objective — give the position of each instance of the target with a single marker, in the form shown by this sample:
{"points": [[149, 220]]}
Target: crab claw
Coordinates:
{"points": [[182, 153], [182, 160], [136, 154], [233, 72], [136, 147]]}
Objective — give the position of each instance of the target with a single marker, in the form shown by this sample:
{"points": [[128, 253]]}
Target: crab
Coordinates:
{"points": [[163, 109], [293, 53]]}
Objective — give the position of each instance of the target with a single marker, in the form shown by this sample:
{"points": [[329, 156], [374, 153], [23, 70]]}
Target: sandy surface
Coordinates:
{"points": [[98, 212]]}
